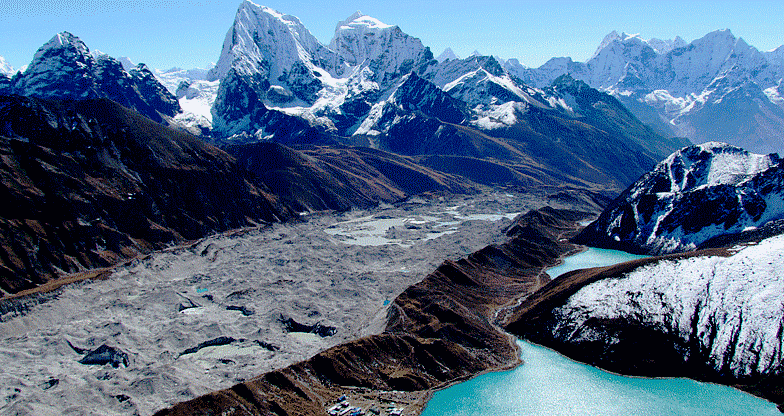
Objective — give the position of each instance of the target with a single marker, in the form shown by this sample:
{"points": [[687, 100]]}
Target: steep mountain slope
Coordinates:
{"points": [[698, 193], [195, 94], [340, 178], [88, 183], [5, 68], [715, 88], [711, 314], [64, 68]]}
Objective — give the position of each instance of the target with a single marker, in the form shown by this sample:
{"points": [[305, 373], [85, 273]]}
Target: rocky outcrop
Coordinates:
{"points": [[105, 355], [697, 194], [89, 183], [439, 331]]}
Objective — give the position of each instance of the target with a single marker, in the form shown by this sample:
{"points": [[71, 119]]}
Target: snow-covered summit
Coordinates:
{"points": [[265, 40], [5, 67], [385, 49], [712, 164], [65, 68], [658, 45], [62, 41], [709, 88], [697, 193]]}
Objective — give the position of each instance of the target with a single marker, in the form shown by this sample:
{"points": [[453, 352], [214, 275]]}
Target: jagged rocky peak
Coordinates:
{"points": [[65, 68], [418, 94], [263, 40], [664, 46], [696, 194], [713, 163], [385, 49], [61, 68], [658, 45]]}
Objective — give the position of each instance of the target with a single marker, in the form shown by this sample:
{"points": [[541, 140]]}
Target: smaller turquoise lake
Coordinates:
{"points": [[550, 384], [593, 257]]}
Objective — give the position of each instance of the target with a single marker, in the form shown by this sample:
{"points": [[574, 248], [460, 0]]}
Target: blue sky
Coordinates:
{"points": [[189, 33]]}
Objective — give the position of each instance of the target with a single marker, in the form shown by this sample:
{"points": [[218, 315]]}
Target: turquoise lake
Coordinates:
{"points": [[550, 384], [593, 257]]}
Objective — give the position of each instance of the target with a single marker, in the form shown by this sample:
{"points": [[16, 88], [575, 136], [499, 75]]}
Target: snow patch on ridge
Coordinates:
{"points": [[736, 305]]}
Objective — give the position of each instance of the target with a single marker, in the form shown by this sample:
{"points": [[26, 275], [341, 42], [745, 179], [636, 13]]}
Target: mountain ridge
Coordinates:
{"points": [[681, 87]]}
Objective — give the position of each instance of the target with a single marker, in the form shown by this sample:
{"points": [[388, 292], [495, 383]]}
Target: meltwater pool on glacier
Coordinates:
{"points": [[550, 384]]}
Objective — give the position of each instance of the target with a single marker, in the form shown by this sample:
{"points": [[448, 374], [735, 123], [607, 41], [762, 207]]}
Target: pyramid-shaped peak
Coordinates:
{"points": [[721, 35], [250, 12], [447, 54], [63, 40]]}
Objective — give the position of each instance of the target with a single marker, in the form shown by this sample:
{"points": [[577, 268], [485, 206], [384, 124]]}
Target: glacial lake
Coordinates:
{"points": [[593, 257], [547, 383]]}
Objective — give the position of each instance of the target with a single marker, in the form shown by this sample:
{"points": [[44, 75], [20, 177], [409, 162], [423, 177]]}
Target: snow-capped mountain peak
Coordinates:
{"points": [[65, 68], [127, 63], [712, 164], [5, 67], [664, 46], [359, 19], [263, 39], [697, 193], [63, 40], [389, 52]]}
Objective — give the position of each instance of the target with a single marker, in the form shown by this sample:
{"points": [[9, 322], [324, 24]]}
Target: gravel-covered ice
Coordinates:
{"points": [[204, 317]]}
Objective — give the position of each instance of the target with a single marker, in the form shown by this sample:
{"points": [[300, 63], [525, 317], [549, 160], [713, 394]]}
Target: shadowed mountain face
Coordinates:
{"points": [[89, 183], [697, 194]]}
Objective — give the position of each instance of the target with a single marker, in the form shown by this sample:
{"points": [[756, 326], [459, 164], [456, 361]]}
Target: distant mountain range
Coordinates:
{"points": [[716, 88], [486, 120]]}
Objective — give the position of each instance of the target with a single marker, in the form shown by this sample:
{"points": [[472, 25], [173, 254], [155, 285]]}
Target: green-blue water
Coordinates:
{"points": [[550, 384], [593, 257]]}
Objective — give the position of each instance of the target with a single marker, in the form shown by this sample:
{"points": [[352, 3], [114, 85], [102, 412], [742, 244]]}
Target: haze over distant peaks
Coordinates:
{"points": [[448, 53]]}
